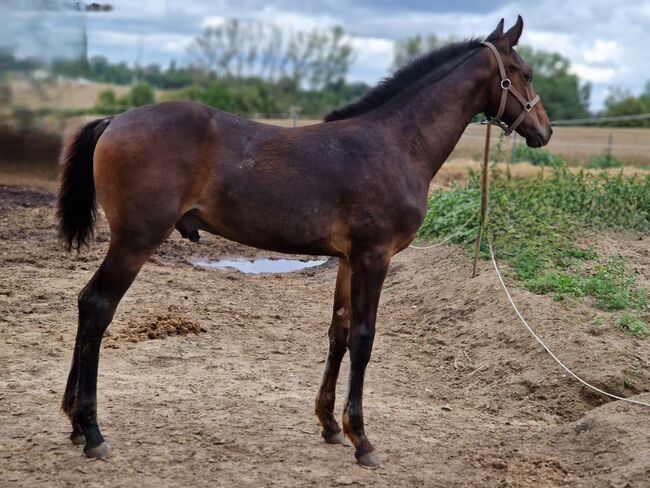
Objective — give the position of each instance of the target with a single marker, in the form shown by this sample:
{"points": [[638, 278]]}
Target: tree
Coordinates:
{"points": [[621, 102], [332, 59], [241, 49], [405, 50]]}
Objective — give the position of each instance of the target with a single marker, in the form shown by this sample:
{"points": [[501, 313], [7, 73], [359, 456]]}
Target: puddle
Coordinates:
{"points": [[257, 266]]}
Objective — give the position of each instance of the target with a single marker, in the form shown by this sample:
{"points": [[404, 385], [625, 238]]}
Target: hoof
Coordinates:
{"points": [[369, 460], [101, 451], [337, 438], [77, 438]]}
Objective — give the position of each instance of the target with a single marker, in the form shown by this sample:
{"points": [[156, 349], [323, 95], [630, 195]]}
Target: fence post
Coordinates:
{"points": [[294, 114], [609, 149]]}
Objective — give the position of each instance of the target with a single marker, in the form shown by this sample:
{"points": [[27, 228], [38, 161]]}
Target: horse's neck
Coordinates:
{"points": [[436, 116]]}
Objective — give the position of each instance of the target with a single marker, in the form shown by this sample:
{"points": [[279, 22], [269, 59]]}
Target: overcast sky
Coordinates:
{"points": [[607, 41]]}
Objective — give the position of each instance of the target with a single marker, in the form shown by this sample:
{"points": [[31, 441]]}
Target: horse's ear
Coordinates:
{"points": [[514, 33], [496, 33]]}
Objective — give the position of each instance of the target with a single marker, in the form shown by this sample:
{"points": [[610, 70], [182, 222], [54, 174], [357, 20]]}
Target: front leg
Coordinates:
{"points": [[338, 336], [368, 273]]}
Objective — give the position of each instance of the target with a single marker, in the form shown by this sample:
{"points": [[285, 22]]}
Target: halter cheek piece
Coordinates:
{"points": [[506, 86]]}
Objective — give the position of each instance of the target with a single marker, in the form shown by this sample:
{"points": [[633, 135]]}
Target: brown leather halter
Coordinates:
{"points": [[506, 86]]}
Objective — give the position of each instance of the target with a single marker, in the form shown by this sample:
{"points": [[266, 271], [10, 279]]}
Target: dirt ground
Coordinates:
{"points": [[208, 377]]}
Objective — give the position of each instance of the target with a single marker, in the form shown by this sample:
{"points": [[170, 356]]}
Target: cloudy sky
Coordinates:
{"points": [[606, 41]]}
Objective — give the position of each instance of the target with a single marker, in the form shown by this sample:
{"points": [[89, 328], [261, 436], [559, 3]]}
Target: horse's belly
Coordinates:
{"points": [[298, 227]]}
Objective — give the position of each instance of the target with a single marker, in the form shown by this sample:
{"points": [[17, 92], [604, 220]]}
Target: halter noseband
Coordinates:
{"points": [[506, 86]]}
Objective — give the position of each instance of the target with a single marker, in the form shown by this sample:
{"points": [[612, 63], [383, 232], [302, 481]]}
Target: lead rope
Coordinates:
{"points": [[484, 206], [485, 190]]}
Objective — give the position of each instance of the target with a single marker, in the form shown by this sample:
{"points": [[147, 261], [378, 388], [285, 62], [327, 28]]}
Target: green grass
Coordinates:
{"points": [[535, 224]]}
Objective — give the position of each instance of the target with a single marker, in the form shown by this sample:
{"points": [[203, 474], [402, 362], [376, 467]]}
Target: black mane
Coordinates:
{"points": [[432, 66]]}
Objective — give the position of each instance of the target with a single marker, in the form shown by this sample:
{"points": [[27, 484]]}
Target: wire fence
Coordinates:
{"points": [[576, 140]]}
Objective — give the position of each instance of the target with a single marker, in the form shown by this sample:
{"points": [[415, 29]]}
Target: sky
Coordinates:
{"points": [[605, 40]]}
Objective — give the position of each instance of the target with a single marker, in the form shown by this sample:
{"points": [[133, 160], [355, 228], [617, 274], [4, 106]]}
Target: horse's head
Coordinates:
{"points": [[513, 104]]}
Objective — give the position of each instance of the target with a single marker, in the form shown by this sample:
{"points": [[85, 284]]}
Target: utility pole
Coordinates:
{"points": [[89, 7]]}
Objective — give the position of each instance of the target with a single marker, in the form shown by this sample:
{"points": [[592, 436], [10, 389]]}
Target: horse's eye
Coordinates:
{"points": [[529, 77]]}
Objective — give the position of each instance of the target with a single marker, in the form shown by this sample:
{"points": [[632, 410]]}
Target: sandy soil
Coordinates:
{"points": [[208, 377]]}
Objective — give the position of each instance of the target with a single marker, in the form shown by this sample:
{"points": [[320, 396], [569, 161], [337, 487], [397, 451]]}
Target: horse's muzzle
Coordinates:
{"points": [[540, 138]]}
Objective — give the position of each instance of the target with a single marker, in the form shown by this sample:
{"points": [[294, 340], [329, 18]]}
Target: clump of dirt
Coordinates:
{"points": [[158, 326]]}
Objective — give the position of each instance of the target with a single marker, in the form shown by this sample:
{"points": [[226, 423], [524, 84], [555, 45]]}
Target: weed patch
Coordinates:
{"points": [[535, 223]]}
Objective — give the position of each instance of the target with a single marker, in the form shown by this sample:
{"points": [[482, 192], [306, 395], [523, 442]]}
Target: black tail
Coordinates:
{"points": [[76, 206]]}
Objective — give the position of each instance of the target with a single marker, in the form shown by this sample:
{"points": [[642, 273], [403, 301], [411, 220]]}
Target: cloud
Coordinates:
{"points": [[374, 56], [602, 51], [213, 21], [593, 73]]}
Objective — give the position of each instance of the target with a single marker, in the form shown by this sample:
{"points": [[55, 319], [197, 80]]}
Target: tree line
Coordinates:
{"points": [[622, 102], [265, 70]]}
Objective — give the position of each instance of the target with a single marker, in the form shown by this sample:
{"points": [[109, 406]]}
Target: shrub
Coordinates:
{"points": [[535, 156], [109, 103], [603, 161], [141, 94]]}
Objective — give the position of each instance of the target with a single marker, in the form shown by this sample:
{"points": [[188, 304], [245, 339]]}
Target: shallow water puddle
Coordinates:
{"points": [[257, 266]]}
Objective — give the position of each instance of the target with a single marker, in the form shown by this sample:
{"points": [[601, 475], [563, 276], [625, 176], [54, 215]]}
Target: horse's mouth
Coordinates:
{"points": [[539, 139]]}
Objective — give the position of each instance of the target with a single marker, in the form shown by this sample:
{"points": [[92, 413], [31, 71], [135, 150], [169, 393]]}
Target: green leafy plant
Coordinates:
{"points": [[535, 223]]}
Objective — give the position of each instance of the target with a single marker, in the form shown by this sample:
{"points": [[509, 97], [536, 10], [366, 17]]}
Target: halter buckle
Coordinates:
{"points": [[505, 83], [528, 107]]}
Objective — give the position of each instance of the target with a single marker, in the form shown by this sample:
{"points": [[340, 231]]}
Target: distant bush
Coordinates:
{"points": [[535, 156], [603, 161], [108, 103], [542, 157], [141, 94]]}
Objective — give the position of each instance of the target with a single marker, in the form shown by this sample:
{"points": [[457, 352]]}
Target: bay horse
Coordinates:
{"points": [[354, 187]]}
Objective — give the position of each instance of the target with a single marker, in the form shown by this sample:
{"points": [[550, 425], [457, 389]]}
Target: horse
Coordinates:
{"points": [[354, 187]]}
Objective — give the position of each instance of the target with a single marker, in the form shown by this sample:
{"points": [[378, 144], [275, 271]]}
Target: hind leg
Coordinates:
{"points": [[97, 303], [77, 436], [338, 336]]}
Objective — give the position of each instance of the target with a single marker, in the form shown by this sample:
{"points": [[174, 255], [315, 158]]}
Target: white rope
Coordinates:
{"points": [[446, 239], [571, 144], [595, 120], [557, 360]]}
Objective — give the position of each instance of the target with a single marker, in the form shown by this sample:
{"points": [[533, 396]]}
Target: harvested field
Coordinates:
{"points": [[208, 377], [575, 144]]}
